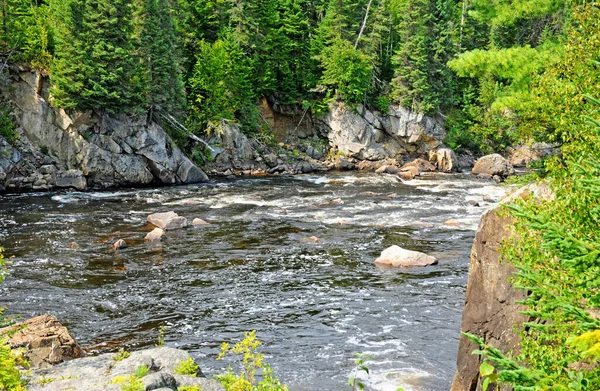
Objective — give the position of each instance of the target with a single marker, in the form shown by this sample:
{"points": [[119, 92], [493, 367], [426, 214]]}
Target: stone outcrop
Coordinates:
{"points": [[491, 310], [232, 152], [45, 340], [521, 156], [365, 135], [106, 372], [444, 159], [79, 150], [396, 256], [493, 165]]}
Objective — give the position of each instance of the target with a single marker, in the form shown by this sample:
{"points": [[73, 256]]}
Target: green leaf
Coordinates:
{"points": [[485, 369], [485, 384]]}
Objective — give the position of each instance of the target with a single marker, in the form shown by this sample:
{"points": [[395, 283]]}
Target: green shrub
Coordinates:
{"points": [[10, 376], [187, 367], [7, 126], [252, 361]]}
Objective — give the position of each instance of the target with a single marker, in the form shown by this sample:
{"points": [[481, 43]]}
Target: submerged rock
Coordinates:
{"points": [[156, 235], [167, 220], [45, 340], [396, 256], [199, 223], [119, 244]]}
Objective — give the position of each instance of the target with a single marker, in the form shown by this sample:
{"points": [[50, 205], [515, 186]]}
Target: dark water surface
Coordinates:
{"points": [[313, 304]]}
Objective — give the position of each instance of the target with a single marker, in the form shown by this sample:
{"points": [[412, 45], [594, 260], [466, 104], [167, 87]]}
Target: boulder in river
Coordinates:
{"points": [[492, 165], [156, 235], [45, 340], [445, 160], [396, 256], [168, 220], [421, 165], [119, 244], [199, 223]]}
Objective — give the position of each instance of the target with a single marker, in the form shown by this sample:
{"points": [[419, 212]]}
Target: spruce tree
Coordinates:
{"points": [[95, 66], [158, 37], [422, 81]]}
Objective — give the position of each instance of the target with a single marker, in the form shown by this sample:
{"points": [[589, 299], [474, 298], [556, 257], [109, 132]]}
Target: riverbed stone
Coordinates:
{"points": [[396, 256], [444, 159], [45, 340], [167, 220], [199, 223], [119, 244], [156, 235], [421, 165]]}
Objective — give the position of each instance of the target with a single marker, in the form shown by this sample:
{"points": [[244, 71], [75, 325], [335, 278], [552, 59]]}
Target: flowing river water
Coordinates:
{"points": [[314, 303]]}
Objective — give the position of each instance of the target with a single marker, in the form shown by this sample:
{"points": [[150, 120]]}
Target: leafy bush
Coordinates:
{"points": [[10, 376], [252, 362], [187, 367], [7, 126], [346, 70]]}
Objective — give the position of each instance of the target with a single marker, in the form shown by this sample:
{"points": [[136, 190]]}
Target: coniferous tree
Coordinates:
{"points": [[159, 48], [422, 81], [95, 66]]}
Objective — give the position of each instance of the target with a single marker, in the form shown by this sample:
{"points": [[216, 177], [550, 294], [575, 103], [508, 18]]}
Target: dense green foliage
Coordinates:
{"points": [[10, 377], [251, 362], [475, 62], [557, 251]]}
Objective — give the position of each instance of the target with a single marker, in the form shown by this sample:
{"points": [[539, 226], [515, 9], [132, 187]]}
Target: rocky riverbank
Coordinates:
{"points": [[80, 150], [492, 310]]}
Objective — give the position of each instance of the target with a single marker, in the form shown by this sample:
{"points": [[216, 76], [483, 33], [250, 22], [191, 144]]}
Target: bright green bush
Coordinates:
{"points": [[10, 376], [187, 367], [252, 362]]}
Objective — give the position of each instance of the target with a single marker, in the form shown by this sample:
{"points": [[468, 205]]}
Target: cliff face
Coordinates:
{"points": [[491, 310], [365, 135], [56, 149]]}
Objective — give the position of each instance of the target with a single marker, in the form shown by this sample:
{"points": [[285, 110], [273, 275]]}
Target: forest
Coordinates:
{"points": [[478, 64]]}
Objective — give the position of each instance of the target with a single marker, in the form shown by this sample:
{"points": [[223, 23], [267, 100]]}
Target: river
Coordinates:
{"points": [[314, 303]]}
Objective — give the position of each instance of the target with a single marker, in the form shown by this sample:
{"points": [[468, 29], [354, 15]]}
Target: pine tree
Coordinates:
{"points": [[422, 81], [159, 50], [95, 66], [292, 61]]}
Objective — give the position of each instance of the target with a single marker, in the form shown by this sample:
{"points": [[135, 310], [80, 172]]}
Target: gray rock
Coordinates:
{"points": [[97, 373], [73, 179], [492, 165], [110, 150], [396, 256], [203, 383], [167, 221], [156, 235], [47, 169], [156, 381]]}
